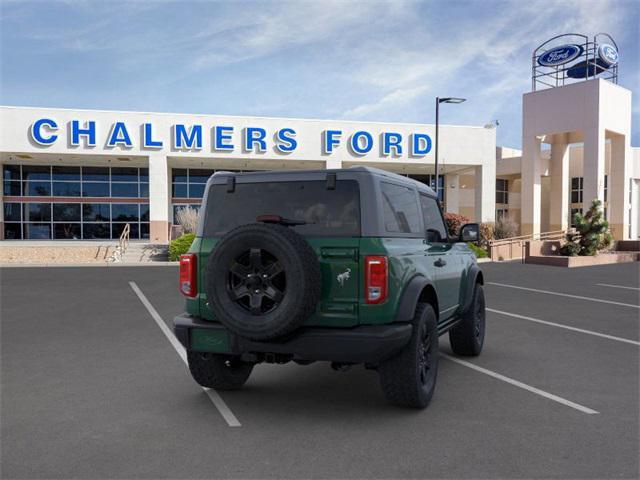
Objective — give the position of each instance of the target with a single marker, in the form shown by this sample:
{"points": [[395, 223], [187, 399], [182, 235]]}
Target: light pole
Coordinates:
{"points": [[438, 102]]}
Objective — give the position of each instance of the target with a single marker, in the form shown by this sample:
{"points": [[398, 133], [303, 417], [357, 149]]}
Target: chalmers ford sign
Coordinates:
{"points": [[45, 132]]}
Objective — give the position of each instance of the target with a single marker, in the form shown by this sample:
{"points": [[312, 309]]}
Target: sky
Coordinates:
{"points": [[344, 60]]}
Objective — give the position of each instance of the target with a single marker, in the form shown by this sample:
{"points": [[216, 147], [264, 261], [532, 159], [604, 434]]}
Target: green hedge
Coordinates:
{"points": [[180, 245], [479, 252]]}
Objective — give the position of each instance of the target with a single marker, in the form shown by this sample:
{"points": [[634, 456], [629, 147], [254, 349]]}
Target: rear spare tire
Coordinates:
{"points": [[262, 281]]}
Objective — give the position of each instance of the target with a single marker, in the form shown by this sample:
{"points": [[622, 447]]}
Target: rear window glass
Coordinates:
{"points": [[400, 209], [326, 212]]}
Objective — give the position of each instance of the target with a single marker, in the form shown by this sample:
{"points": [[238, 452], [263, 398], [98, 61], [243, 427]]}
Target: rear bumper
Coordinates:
{"points": [[363, 344]]}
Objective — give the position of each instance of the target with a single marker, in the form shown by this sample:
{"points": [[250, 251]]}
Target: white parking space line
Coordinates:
{"points": [[216, 399], [579, 297], [617, 286], [524, 386], [566, 327]]}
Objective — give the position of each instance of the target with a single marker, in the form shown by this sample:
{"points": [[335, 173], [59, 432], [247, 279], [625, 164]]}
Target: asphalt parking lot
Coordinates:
{"points": [[93, 388]]}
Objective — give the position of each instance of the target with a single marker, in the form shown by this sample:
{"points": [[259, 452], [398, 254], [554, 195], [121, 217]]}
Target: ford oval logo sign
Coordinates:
{"points": [[608, 54], [560, 55]]}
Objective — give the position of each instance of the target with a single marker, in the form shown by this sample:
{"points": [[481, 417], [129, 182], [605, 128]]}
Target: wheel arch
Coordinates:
{"points": [[419, 290], [474, 276]]}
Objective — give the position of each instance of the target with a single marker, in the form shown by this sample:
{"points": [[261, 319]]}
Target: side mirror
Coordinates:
{"points": [[433, 236], [470, 233]]}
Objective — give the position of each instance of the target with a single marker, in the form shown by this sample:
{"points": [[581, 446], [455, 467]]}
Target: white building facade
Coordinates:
{"points": [[84, 174]]}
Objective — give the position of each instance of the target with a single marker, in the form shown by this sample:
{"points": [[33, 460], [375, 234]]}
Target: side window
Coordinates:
{"points": [[433, 223], [400, 209]]}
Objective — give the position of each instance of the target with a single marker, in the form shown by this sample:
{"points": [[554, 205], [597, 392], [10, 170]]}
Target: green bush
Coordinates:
{"points": [[180, 245], [479, 252], [592, 233]]}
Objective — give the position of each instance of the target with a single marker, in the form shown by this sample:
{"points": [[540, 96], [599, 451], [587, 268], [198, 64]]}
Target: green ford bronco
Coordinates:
{"points": [[347, 266]]}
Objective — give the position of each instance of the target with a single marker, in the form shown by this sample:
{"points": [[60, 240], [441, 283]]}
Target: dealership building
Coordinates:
{"points": [[85, 174]]}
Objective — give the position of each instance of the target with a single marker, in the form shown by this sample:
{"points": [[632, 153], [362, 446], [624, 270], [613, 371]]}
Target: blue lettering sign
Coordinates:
{"points": [[359, 147], [89, 132], [221, 137], [421, 144], [186, 139], [119, 136], [391, 140], [253, 136], [286, 141], [147, 138], [330, 139], [36, 131]]}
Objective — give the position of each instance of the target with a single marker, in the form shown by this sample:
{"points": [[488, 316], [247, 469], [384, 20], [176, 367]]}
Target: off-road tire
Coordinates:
{"points": [[221, 372], [467, 338], [299, 297], [402, 377]]}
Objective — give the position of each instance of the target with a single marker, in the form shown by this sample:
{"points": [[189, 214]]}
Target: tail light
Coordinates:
{"points": [[188, 272], [376, 279]]}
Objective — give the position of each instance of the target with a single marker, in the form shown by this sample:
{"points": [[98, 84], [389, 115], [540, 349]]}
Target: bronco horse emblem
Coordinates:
{"points": [[343, 277]]}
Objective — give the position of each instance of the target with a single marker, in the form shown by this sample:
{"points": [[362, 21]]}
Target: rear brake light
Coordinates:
{"points": [[376, 279], [188, 269]]}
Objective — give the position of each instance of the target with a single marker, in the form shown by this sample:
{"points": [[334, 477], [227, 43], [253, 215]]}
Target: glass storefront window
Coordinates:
{"points": [[37, 212], [124, 212], [12, 231], [96, 212], [96, 231], [36, 172], [66, 189], [37, 231], [66, 173], [69, 231], [95, 189], [12, 188], [128, 174], [95, 174], [11, 172], [66, 212], [31, 220], [37, 189], [196, 190], [12, 212], [124, 190]]}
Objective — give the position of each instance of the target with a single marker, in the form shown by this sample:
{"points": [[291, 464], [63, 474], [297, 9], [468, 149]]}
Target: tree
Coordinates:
{"points": [[591, 235]]}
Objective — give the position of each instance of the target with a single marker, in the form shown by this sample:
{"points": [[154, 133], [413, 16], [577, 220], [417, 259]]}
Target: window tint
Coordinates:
{"points": [[326, 212], [66, 189], [400, 209], [66, 173], [66, 212], [433, 222]]}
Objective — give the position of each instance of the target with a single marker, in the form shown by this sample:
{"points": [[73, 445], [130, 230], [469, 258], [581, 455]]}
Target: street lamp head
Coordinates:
{"points": [[451, 100]]}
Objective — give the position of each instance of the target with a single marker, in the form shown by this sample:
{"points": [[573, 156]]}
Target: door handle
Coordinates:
{"points": [[440, 263]]}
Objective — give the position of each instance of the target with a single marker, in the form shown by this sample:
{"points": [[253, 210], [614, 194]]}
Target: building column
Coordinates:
{"points": [[333, 163], [531, 186], [452, 192], [159, 198], [559, 196], [485, 192], [593, 167], [618, 188]]}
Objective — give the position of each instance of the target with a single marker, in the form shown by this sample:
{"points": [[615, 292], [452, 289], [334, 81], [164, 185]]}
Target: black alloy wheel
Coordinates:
{"points": [[257, 281]]}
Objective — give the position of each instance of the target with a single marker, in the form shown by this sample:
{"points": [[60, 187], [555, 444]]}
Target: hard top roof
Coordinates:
{"points": [[273, 174]]}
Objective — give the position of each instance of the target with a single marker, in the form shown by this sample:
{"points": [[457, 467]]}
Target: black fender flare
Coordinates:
{"points": [[409, 298], [474, 275]]}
